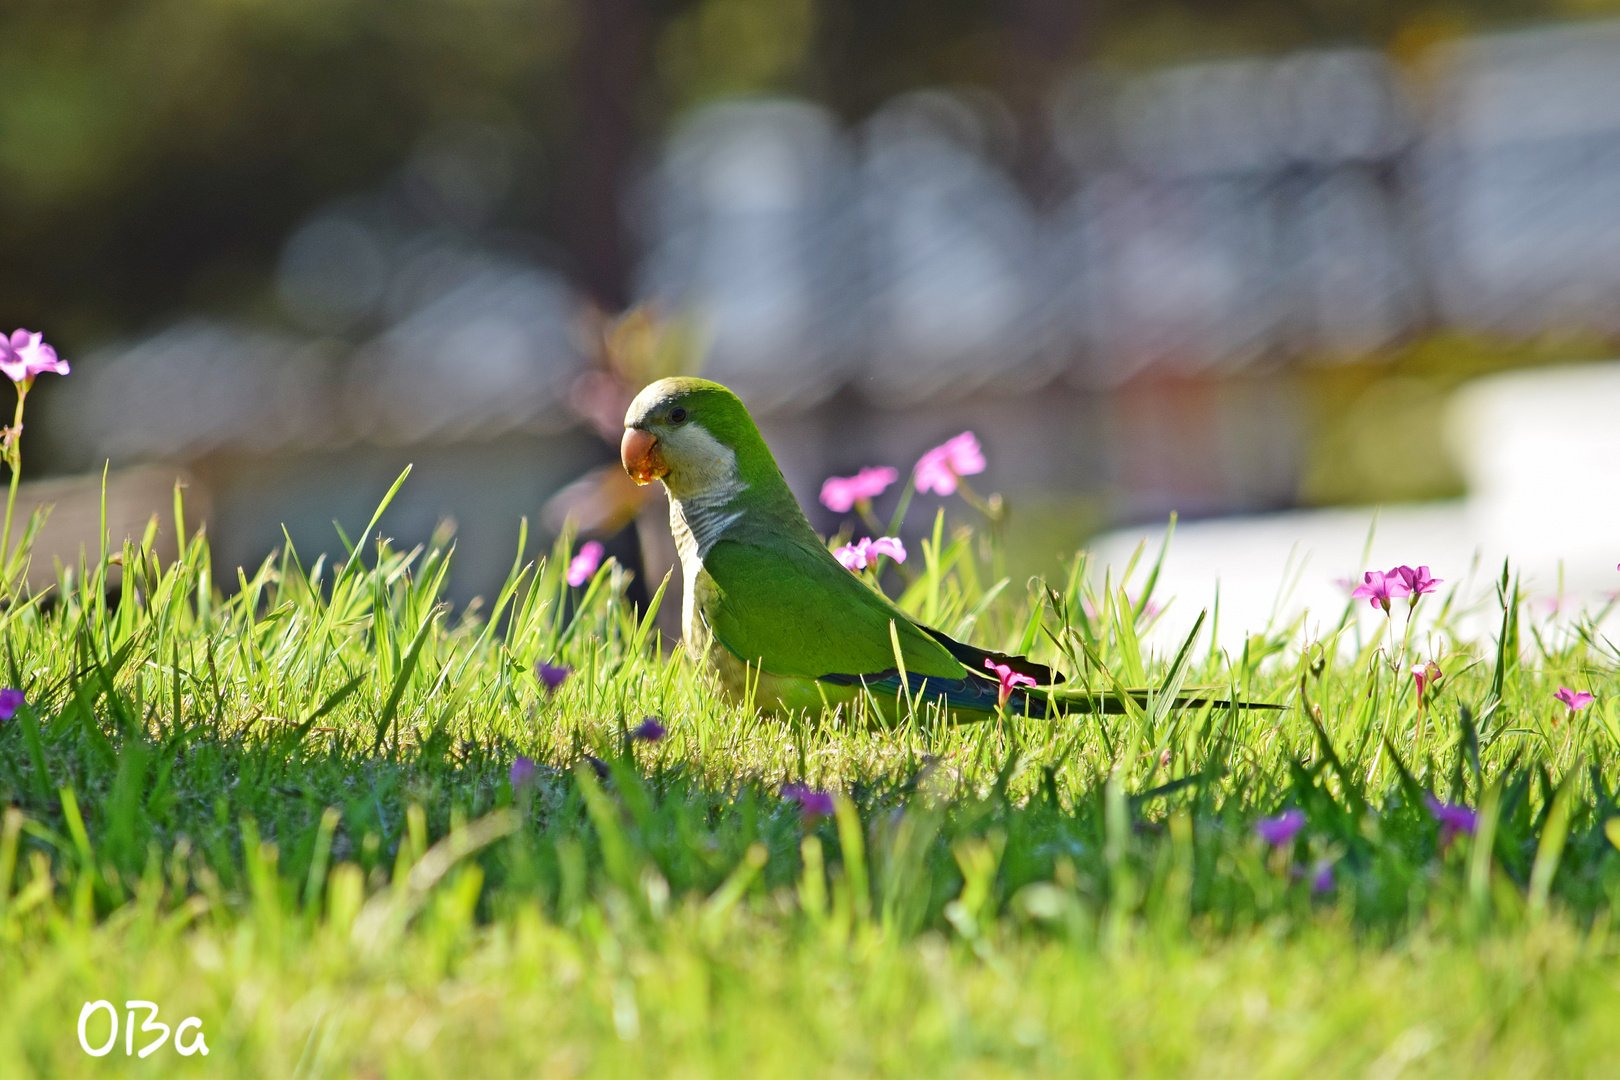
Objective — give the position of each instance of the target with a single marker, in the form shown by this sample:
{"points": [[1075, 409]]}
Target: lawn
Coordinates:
{"points": [[355, 833]]}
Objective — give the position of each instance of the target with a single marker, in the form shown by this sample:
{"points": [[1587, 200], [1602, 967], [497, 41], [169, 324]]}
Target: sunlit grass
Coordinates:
{"points": [[288, 811]]}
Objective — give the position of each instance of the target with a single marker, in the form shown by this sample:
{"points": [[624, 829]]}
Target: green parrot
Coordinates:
{"points": [[767, 606]]}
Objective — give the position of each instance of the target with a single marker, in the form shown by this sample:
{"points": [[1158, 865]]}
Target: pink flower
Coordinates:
{"points": [[1378, 588], [582, 566], [1454, 818], [524, 773], [866, 551], [1425, 675], [26, 355], [840, 493], [813, 804], [940, 468], [649, 730], [1418, 582], [1280, 830], [1008, 678], [1574, 700], [10, 701], [891, 546], [551, 677]]}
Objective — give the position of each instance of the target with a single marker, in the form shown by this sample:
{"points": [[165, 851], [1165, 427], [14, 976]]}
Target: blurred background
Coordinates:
{"points": [[1221, 259]]}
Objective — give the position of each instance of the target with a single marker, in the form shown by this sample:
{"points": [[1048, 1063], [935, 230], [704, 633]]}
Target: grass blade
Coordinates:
{"points": [[406, 668]]}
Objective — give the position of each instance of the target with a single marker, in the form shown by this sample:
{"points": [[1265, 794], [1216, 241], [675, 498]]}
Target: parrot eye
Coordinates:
{"points": [[677, 415]]}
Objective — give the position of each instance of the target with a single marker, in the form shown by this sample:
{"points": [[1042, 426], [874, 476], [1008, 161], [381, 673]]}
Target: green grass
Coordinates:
{"points": [[287, 812]]}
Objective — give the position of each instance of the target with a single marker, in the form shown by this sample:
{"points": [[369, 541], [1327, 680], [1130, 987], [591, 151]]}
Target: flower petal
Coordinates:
{"points": [[852, 556], [1281, 830], [649, 730], [838, 494], [872, 481], [582, 567], [964, 454], [890, 546], [523, 773], [934, 473]]}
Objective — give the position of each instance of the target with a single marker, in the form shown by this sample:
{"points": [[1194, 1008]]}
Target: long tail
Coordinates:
{"points": [[974, 698], [1067, 701]]}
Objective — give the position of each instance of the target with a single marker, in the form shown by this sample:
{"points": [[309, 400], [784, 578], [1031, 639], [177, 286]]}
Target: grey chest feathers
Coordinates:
{"points": [[697, 525], [698, 521]]}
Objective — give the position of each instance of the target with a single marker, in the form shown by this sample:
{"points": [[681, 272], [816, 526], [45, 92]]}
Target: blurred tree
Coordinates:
{"points": [[607, 87], [720, 48], [154, 154]]}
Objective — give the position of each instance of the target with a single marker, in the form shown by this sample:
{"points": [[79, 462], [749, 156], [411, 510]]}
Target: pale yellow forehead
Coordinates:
{"points": [[651, 397]]}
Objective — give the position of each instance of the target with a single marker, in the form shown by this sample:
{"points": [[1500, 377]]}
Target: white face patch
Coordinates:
{"points": [[701, 467], [702, 481]]}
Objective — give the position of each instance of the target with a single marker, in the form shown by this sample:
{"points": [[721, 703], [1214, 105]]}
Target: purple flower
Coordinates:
{"points": [[1454, 818], [524, 773], [1008, 678], [1418, 582], [26, 355], [1379, 588], [584, 564], [1281, 830], [1322, 878], [866, 551], [649, 730], [1573, 700], [551, 677], [10, 701], [813, 804], [940, 468], [840, 493], [598, 766]]}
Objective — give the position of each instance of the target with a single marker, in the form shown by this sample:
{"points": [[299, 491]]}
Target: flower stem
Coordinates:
{"points": [[863, 507], [906, 492], [995, 515], [13, 459], [971, 497]]}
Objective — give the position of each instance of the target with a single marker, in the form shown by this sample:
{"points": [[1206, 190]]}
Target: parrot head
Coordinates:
{"points": [[694, 435]]}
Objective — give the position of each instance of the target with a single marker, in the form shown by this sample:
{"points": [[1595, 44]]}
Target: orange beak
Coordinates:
{"points": [[639, 452]]}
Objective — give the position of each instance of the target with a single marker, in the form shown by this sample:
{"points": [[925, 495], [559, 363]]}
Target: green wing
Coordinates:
{"points": [[789, 607]]}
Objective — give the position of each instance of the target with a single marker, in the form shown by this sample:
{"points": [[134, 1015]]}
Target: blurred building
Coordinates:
{"points": [[1519, 178], [1129, 335]]}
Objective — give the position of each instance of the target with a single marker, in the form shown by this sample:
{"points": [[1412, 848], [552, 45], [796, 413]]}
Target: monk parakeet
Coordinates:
{"points": [[766, 604]]}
